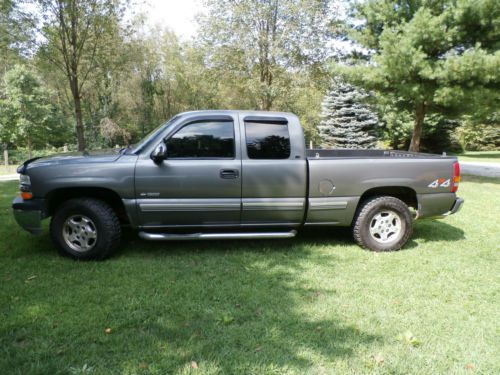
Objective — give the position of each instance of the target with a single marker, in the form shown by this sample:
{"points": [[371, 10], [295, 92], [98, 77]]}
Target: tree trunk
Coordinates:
{"points": [[79, 123], [80, 134], [266, 37], [418, 127], [30, 151]]}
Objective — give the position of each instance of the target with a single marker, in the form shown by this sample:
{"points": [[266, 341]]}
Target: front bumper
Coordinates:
{"points": [[29, 214]]}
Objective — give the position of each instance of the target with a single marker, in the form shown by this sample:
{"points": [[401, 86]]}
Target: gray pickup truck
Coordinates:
{"points": [[227, 175]]}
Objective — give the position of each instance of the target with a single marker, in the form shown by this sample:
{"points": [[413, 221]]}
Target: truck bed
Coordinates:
{"points": [[339, 178], [352, 153]]}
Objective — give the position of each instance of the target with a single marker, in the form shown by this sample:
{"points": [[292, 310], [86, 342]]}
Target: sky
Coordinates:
{"points": [[178, 15]]}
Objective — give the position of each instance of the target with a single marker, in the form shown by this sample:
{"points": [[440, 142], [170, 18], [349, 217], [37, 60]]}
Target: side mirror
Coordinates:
{"points": [[159, 153]]}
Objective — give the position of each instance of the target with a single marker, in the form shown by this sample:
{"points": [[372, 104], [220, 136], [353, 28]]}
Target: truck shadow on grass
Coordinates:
{"points": [[426, 231], [254, 309]]}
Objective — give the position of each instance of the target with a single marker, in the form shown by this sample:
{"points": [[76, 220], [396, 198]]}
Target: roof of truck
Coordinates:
{"points": [[235, 112]]}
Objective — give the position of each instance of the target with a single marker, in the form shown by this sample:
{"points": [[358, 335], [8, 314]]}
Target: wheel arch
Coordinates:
{"points": [[58, 196], [403, 193]]}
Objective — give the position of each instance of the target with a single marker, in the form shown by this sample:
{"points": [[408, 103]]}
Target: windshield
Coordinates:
{"points": [[152, 135]]}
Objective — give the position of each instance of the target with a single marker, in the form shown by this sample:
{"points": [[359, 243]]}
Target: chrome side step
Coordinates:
{"points": [[215, 236]]}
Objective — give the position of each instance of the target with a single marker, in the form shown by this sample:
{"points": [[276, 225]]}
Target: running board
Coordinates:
{"points": [[215, 236]]}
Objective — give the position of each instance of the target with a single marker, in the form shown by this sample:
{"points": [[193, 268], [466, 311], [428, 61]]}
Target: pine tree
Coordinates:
{"points": [[430, 56], [347, 122]]}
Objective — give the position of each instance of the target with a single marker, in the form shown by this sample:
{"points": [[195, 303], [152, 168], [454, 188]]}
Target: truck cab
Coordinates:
{"points": [[227, 169]]}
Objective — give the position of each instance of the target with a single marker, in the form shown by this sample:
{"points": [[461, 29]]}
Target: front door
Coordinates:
{"points": [[199, 184]]}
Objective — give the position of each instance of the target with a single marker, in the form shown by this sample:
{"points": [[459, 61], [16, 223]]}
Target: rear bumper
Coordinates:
{"points": [[456, 206], [29, 214], [438, 205]]}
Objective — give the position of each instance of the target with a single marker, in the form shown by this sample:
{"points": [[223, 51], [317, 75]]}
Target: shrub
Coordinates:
{"points": [[480, 137]]}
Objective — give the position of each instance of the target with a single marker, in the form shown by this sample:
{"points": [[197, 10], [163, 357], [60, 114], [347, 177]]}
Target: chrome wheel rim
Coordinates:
{"points": [[386, 226], [80, 233]]}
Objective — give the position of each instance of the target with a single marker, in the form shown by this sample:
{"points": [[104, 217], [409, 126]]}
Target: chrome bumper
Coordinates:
{"points": [[28, 214], [456, 206]]}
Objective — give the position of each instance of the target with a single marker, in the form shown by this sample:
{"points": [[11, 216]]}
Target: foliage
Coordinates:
{"points": [[258, 55], [480, 137], [78, 34], [15, 32], [397, 123], [347, 121], [255, 44], [168, 77], [27, 116], [431, 56], [112, 133], [439, 133], [20, 154]]}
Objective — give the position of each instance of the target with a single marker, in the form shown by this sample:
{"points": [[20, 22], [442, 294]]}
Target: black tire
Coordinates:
{"points": [[102, 221], [370, 217]]}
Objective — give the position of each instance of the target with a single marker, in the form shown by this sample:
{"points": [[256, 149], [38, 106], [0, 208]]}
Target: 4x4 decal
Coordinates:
{"points": [[440, 182]]}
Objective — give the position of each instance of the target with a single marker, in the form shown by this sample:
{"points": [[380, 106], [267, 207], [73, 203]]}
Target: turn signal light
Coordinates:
{"points": [[456, 177], [26, 195]]}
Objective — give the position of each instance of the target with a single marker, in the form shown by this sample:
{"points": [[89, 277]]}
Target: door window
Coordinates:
{"points": [[267, 140], [203, 139]]}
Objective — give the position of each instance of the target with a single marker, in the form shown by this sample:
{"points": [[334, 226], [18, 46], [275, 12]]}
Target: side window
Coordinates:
{"points": [[267, 140], [204, 139]]}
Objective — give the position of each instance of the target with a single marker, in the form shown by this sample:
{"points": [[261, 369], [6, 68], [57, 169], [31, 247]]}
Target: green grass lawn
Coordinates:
{"points": [[316, 304], [486, 156]]}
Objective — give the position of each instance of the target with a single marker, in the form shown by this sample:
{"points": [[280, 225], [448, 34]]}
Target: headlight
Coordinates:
{"points": [[25, 187], [24, 179]]}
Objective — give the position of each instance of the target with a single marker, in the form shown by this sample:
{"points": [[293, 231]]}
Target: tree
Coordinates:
{"points": [[165, 77], [255, 44], [27, 115], [478, 135], [15, 32], [76, 37], [431, 56], [112, 133], [347, 122]]}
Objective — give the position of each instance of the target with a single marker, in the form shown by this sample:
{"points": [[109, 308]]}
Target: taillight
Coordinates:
{"points": [[456, 177]]}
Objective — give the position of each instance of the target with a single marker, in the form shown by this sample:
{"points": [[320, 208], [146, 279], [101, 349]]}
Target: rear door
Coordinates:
{"points": [[274, 171], [199, 184]]}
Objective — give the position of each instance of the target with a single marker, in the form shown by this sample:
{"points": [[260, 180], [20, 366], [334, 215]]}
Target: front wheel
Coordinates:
{"points": [[85, 229], [383, 224]]}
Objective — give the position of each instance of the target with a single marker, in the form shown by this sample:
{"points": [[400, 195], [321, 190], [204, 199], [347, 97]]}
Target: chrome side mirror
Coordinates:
{"points": [[159, 153]]}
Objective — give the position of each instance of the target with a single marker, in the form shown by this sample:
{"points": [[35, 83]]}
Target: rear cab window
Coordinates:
{"points": [[267, 140]]}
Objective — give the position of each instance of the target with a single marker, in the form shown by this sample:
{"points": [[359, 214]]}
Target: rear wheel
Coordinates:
{"points": [[383, 224], [85, 229]]}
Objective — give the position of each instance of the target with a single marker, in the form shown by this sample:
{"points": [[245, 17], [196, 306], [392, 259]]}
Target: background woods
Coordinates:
{"points": [[89, 74]]}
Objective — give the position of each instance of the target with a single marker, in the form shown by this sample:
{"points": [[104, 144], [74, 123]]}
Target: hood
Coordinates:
{"points": [[97, 156]]}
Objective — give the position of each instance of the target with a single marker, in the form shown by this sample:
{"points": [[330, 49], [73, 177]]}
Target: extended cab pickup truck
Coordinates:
{"points": [[231, 174]]}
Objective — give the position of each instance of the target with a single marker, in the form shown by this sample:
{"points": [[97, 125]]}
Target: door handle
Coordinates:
{"points": [[229, 173]]}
